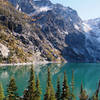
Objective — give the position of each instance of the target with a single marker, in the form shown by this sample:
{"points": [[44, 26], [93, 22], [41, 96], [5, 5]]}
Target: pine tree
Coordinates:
{"points": [[25, 95], [65, 90], [58, 93], [47, 94], [97, 91], [32, 86], [38, 90], [12, 90], [1, 92], [81, 88], [50, 94], [72, 86], [83, 94], [95, 98], [96, 95]]}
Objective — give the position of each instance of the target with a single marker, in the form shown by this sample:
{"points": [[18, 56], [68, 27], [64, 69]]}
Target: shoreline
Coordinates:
{"points": [[28, 63]]}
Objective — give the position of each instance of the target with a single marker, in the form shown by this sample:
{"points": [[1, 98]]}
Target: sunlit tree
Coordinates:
{"points": [[96, 94], [65, 89], [12, 90], [38, 90], [58, 92], [83, 94], [32, 85], [50, 94], [1, 92], [94, 97], [73, 86]]}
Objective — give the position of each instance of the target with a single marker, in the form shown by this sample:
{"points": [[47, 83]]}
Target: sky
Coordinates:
{"points": [[87, 9]]}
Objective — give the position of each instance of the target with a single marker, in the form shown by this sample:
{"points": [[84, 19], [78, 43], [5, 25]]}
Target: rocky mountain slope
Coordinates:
{"points": [[23, 38], [93, 39], [48, 31], [59, 25]]}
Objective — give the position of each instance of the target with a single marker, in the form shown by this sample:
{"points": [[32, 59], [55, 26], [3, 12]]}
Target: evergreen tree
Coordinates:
{"points": [[1, 92], [12, 90], [32, 86], [81, 88], [58, 93], [95, 98], [25, 95], [50, 94], [65, 90], [83, 94], [97, 91], [96, 95], [47, 94], [1, 58], [38, 90], [72, 86]]}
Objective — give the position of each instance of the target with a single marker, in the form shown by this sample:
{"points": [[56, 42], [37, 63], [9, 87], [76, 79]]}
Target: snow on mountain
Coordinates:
{"points": [[39, 10], [76, 27], [43, 9], [86, 27], [95, 26], [60, 26]]}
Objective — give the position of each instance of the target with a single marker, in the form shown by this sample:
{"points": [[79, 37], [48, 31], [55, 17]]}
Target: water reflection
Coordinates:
{"points": [[88, 73]]}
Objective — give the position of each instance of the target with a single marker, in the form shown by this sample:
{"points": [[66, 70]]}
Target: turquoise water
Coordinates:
{"points": [[89, 74]]}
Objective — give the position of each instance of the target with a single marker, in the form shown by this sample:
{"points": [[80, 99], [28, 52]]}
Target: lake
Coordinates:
{"points": [[87, 73]]}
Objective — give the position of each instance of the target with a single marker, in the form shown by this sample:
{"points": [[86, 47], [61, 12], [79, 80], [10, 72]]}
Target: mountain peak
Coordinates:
{"points": [[57, 32]]}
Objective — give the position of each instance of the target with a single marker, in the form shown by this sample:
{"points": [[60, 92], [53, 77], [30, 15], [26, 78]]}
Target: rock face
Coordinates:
{"points": [[53, 31], [59, 25], [4, 51], [27, 42], [93, 39]]}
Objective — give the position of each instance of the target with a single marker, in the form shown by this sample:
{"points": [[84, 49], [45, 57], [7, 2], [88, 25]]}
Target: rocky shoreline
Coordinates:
{"points": [[28, 63]]}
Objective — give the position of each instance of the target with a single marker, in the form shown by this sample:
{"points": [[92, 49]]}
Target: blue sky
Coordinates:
{"points": [[87, 9]]}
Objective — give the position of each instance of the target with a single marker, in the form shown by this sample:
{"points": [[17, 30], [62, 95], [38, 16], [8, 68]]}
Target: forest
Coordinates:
{"points": [[33, 90]]}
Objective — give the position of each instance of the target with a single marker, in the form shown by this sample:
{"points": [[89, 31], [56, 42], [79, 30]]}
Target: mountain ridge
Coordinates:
{"points": [[53, 31], [20, 26]]}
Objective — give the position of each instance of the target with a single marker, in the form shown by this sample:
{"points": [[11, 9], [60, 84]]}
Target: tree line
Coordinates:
{"points": [[33, 91]]}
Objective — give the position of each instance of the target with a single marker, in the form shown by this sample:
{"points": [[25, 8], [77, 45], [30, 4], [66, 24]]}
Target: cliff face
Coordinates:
{"points": [[23, 38], [93, 39], [60, 26]]}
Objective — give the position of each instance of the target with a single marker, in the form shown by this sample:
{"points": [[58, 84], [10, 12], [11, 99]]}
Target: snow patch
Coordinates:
{"points": [[33, 5], [39, 10], [86, 27], [70, 19], [17, 6], [76, 27], [44, 9], [66, 32]]}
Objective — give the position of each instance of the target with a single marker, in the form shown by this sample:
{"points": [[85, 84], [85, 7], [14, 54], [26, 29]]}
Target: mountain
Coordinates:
{"points": [[57, 24], [22, 38], [48, 31], [93, 38]]}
